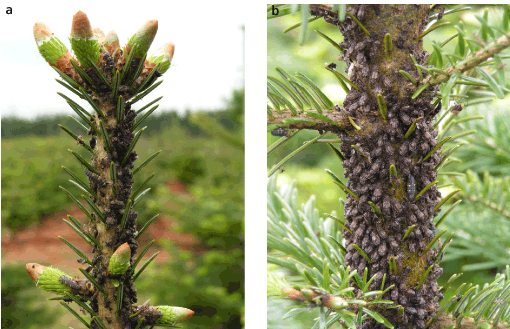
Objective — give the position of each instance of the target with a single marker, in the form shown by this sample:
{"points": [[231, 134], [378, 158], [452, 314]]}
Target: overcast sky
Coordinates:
{"points": [[207, 65]]}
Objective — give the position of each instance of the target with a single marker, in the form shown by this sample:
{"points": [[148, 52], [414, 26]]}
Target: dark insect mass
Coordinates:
{"points": [[437, 109], [108, 59], [382, 145], [441, 13], [456, 109], [69, 282], [280, 132], [332, 66], [92, 143]]}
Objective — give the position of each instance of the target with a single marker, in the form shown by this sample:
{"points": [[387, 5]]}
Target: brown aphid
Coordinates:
{"points": [[281, 132], [411, 187], [377, 192]]}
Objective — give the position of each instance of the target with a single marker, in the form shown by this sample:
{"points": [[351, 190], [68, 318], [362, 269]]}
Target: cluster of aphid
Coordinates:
{"points": [[113, 207], [108, 60], [380, 144], [329, 16]]}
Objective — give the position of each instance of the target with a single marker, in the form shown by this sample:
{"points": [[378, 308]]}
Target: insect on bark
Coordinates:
{"points": [[108, 59], [69, 282], [280, 132], [94, 177], [411, 187]]}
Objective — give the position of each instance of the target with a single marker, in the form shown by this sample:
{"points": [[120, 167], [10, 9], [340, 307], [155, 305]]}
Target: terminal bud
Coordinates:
{"points": [[143, 38], [50, 47], [47, 278], [163, 56], [84, 43], [119, 262]]}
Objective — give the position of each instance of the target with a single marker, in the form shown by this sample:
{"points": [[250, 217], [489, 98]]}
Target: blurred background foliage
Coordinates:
{"points": [[204, 151], [480, 246]]}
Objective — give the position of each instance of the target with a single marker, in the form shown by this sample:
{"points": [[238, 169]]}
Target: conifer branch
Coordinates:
{"points": [[105, 77], [341, 121], [472, 61]]}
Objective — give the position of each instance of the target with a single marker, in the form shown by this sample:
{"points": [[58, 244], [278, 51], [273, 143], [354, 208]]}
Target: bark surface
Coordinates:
{"points": [[112, 202]]}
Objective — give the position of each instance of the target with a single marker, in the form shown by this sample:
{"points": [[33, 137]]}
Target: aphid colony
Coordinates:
{"points": [[367, 169], [108, 59]]}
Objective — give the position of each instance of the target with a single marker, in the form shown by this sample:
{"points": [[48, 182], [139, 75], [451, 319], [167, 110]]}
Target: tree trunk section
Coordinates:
{"points": [[113, 205], [382, 143]]}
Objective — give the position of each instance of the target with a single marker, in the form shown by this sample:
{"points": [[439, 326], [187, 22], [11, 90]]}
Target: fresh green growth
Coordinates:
{"points": [[50, 47], [83, 41], [119, 262], [172, 314], [143, 38], [163, 56], [48, 278]]}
